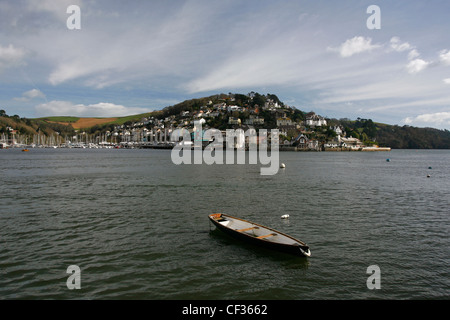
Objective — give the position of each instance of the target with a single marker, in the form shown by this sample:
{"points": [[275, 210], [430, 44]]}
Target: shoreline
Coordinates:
{"points": [[281, 148]]}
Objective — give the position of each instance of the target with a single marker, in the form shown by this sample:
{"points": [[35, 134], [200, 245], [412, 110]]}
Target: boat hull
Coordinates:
{"points": [[297, 247]]}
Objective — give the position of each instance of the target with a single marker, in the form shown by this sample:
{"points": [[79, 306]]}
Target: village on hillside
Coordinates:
{"points": [[298, 130]]}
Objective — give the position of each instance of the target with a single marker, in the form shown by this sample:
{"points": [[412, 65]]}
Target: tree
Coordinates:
{"points": [[259, 100], [3, 113], [354, 134], [240, 99], [330, 133], [298, 116]]}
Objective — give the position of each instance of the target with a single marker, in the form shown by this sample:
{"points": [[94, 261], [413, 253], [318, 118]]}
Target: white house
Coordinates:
{"points": [[233, 108], [351, 142], [338, 130], [315, 120]]}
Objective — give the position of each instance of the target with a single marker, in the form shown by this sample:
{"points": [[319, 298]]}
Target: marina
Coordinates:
{"points": [[170, 145]]}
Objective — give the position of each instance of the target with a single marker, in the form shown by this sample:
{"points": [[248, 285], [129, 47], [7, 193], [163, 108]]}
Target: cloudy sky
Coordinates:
{"points": [[135, 56]]}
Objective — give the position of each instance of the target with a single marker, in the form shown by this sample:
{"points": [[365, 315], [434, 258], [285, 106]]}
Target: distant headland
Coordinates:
{"points": [[299, 130]]}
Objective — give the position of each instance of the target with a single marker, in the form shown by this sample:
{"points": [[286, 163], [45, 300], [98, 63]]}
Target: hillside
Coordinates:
{"points": [[397, 137], [407, 137], [85, 122], [218, 111], [30, 127]]}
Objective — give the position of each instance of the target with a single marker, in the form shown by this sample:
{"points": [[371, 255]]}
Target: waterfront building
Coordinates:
{"points": [[314, 120]]}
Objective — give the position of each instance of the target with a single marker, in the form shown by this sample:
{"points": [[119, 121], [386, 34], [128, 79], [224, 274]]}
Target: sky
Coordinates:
{"points": [[130, 57]]}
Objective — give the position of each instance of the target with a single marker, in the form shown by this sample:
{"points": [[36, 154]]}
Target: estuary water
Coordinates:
{"points": [[137, 225]]}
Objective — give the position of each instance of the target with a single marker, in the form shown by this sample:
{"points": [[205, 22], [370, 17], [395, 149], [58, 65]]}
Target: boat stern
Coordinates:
{"points": [[304, 250]]}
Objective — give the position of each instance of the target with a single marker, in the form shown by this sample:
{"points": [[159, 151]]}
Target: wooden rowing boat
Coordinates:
{"points": [[259, 235]]}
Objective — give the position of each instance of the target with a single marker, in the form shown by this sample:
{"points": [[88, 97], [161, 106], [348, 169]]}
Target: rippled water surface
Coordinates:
{"points": [[137, 225]]}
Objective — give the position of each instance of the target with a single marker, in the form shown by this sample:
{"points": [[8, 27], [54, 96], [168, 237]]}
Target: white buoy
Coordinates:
{"points": [[285, 216], [282, 166]]}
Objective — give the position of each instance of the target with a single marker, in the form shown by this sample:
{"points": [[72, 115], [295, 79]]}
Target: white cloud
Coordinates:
{"points": [[417, 65], [354, 46], [446, 81], [249, 69], [438, 120], [413, 54], [397, 46], [34, 93], [444, 57], [31, 94], [102, 109], [67, 71], [11, 57], [161, 40]]}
